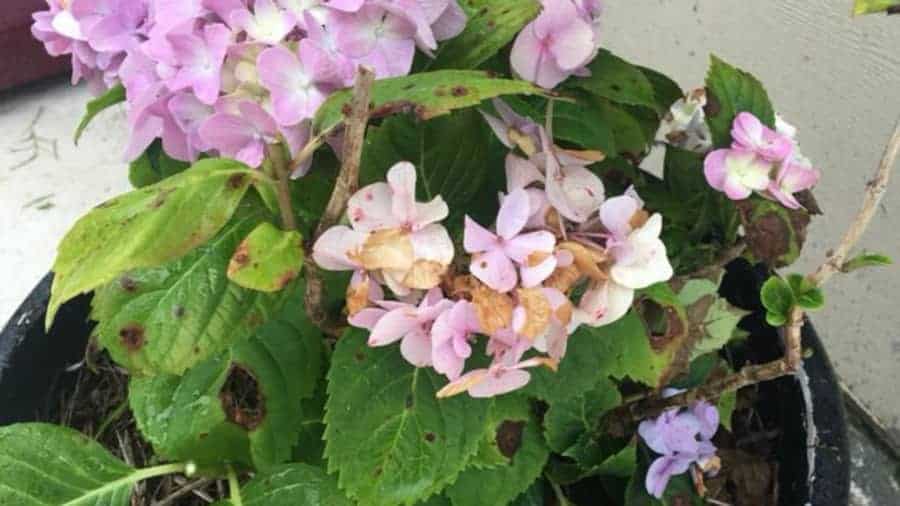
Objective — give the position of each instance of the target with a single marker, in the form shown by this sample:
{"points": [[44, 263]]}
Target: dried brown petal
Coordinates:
{"points": [[588, 260], [563, 313], [389, 249], [593, 155], [537, 312], [639, 219], [537, 258], [424, 275], [494, 309], [563, 278], [358, 296]]}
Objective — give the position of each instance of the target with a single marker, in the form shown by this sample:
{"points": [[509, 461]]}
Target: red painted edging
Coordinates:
{"points": [[22, 57]]}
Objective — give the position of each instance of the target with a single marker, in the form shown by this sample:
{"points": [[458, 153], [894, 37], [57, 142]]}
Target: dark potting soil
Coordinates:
{"points": [[764, 458]]}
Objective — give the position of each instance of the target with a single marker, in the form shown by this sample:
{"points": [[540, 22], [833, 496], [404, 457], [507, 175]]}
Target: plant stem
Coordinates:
{"points": [[282, 174], [136, 476], [120, 409], [344, 187], [234, 488]]}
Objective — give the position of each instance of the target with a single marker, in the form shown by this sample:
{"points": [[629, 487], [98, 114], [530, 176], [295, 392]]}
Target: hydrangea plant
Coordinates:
{"points": [[408, 252]]}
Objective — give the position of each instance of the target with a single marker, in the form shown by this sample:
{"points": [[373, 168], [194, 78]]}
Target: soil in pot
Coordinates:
{"points": [[765, 461]]}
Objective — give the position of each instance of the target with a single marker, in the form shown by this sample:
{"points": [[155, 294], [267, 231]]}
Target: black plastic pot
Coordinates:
{"points": [[814, 463]]}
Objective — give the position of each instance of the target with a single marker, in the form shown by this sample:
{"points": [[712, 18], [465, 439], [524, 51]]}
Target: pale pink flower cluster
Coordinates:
{"points": [[232, 76], [555, 231], [761, 160]]}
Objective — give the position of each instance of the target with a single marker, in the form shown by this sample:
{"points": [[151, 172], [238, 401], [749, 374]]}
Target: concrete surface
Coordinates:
{"points": [[837, 79]]}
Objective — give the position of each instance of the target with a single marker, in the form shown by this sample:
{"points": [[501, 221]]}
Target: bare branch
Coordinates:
{"points": [[875, 191], [346, 185]]}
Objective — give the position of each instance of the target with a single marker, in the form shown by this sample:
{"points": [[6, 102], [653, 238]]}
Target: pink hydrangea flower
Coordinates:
{"points": [[749, 134], [639, 255], [420, 247], [378, 38], [241, 136], [505, 375], [554, 46], [268, 23], [450, 336], [793, 177], [199, 59], [410, 324], [497, 255], [296, 88], [736, 172], [681, 438]]}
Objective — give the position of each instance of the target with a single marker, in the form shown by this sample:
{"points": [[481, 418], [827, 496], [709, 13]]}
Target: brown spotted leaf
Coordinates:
{"points": [[428, 95], [774, 234], [147, 227], [239, 406], [268, 259], [167, 318], [519, 452]]}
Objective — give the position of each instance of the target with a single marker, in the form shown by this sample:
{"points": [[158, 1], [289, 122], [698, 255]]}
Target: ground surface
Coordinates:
{"points": [[836, 78]]}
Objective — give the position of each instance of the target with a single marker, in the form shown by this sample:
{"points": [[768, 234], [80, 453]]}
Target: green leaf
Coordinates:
{"points": [[731, 91], [865, 260], [712, 320], [633, 128], [310, 447], [806, 295], [153, 166], [268, 260], [242, 405], [619, 350], [147, 227], [874, 6], [575, 123], [520, 441], [462, 171], [665, 90], [534, 496], [293, 485], [617, 80], [389, 437], [47, 464], [429, 95], [492, 24], [726, 405], [569, 418], [778, 299], [620, 465], [165, 319], [113, 96]]}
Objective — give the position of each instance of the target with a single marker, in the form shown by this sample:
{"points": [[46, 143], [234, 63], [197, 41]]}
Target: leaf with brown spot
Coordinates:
{"points": [[134, 232], [774, 234], [188, 308], [241, 405], [512, 457], [418, 92], [268, 259]]}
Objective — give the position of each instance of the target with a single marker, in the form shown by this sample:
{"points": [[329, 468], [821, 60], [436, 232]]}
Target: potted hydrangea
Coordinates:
{"points": [[387, 252]]}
